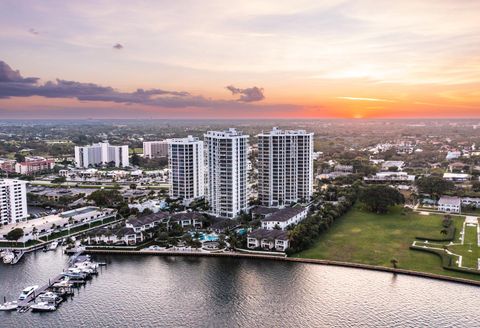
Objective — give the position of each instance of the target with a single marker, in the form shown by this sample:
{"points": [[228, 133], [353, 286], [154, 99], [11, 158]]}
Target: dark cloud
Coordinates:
{"points": [[248, 94], [118, 46], [33, 31], [9, 75], [12, 84]]}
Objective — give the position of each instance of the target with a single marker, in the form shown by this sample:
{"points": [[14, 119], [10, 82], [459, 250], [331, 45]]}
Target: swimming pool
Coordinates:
{"points": [[241, 231], [205, 237]]}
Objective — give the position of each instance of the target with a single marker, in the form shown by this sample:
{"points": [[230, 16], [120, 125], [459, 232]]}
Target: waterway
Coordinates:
{"points": [[154, 291]]}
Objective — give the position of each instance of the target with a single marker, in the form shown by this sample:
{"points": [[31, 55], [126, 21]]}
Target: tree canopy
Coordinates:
{"points": [[434, 185], [105, 197], [15, 234], [379, 198]]}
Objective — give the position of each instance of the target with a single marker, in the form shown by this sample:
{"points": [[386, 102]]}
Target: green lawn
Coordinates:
{"points": [[368, 238], [469, 251]]}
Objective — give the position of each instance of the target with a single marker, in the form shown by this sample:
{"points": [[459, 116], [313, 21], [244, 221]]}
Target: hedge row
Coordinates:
{"points": [[448, 237], [448, 261]]}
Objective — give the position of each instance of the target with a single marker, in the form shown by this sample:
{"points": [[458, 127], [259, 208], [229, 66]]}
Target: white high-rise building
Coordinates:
{"points": [[285, 167], [13, 201], [226, 165], [187, 170], [101, 153], [155, 149]]}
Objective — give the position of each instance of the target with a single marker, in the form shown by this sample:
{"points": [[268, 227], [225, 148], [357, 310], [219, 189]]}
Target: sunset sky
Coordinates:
{"points": [[239, 59]]}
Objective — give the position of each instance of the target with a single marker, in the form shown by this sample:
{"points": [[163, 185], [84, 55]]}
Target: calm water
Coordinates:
{"points": [[207, 292]]}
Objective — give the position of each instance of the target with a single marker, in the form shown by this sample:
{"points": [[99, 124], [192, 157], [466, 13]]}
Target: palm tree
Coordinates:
{"points": [[394, 263], [34, 232], [70, 222], [444, 232]]}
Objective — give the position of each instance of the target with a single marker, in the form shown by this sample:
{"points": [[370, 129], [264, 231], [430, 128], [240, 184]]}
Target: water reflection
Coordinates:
{"points": [[146, 291]]}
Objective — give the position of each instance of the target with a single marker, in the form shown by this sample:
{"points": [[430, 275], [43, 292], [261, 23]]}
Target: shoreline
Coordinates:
{"points": [[293, 259]]}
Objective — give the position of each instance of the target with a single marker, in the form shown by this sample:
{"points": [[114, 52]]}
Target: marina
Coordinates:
{"points": [[47, 297]]}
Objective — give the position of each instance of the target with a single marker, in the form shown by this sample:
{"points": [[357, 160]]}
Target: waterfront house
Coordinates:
{"points": [[123, 235], [268, 240], [285, 217]]}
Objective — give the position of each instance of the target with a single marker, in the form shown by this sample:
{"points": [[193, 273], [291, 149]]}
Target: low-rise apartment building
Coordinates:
{"points": [[276, 240], [285, 217], [34, 164]]}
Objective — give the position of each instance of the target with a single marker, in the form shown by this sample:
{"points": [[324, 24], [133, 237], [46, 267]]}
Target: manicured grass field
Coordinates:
{"points": [[368, 238], [469, 251]]}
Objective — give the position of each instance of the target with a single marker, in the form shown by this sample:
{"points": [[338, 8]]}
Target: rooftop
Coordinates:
{"points": [[148, 219], [277, 131], [284, 214], [269, 234], [187, 216], [231, 132], [79, 211], [263, 210], [448, 200]]}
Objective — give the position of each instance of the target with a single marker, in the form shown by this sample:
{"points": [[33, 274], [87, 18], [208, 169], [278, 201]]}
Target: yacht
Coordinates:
{"points": [[8, 306], [63, 284], [50, 297], [75, 274], [86, 264], [43, 307], [53, 246], [8, 257], [27, 292], [47, 302]]}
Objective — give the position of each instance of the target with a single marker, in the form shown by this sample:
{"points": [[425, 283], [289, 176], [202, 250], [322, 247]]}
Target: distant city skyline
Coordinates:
{"points": [[216, 59]]}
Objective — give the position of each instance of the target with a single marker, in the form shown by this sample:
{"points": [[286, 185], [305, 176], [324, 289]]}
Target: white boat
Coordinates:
{"points": [[47, 302], [27, 292], [62, 284], [43, 307], [49, 297], [75, 273], [53, 246], [8, 257], [9, 306], [86, 265]]}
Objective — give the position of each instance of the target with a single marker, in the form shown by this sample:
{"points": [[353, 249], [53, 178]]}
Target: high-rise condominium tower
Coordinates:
{"points": [[186, 164], [155, 149], [226, 160], [285, 167], [101, 153], [13, 201]]}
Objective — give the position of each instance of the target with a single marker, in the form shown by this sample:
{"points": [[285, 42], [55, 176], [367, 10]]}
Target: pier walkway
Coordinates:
{"points": [[24, 303]]}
